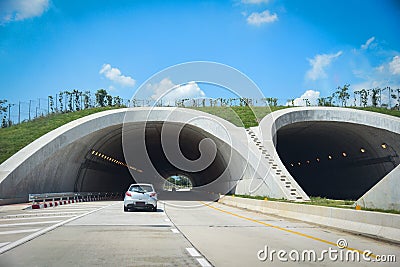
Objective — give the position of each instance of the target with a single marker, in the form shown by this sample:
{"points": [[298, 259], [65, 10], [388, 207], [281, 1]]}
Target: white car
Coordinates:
{"points": [[140, 196]]}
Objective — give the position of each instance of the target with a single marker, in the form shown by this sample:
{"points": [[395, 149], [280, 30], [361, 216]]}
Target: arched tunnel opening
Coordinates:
{"points": [[116, 159], [337, 160]]}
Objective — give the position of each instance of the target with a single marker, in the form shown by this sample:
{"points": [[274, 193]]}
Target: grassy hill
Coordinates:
{"points": [[14, 138]]}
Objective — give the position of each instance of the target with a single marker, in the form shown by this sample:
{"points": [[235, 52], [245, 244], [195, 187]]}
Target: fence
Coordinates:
{"points": [[23, 111]]}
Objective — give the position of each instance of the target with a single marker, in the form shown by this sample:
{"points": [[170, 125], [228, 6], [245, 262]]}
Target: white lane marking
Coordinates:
{"points": [[18, 232], [27, 223], [203, 262], [36, 214], [167, 220], [193, 252], [48, 229], [175, 231], [35, 217], [4, 243]]}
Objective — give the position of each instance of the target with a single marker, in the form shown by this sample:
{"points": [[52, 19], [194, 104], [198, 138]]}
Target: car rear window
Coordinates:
{"points": [[140, 188]]}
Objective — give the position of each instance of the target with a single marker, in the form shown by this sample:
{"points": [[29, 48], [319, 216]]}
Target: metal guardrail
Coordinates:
{"points": [[35, 198]]}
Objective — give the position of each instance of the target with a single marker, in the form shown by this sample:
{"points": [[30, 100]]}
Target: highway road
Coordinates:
{"points": [[181, 233]]}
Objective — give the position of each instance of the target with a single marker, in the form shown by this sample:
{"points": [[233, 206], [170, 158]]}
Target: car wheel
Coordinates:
{"points": [[125, 209]]}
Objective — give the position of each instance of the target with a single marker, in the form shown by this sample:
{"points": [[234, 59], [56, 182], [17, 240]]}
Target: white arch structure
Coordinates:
{"points": [[253, 166]]}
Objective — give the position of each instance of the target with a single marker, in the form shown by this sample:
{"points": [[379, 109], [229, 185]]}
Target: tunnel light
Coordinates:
{"points": [[115, 161], [299, 163], [318, 159], [291, 164], [344, 154], [362, 150], [384, 146], [308, 162], [329, 157]]}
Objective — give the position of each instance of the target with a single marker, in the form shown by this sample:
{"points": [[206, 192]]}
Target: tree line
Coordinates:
{"points": [[64, 102], [75, 100], [361, 97]]}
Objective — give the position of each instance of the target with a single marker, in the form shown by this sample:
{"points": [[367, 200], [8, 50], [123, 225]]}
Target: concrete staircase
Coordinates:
{"points": [[286, 181]]}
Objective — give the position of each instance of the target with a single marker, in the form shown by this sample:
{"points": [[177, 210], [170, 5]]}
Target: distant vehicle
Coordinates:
{"points": [[140, 196]]}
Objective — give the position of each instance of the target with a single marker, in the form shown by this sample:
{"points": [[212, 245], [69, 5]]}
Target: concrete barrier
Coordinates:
{"points": [[376, 224]]}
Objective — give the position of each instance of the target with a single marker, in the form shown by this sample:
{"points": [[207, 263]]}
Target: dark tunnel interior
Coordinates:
{"points": [[337, 160], [104, 169]]}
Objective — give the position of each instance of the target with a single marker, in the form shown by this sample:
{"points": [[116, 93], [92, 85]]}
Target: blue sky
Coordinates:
{"points": [[286, 47]]}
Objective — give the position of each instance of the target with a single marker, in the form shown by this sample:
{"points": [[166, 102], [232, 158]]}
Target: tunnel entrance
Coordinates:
{"points": [[105, 167], [179, 183], [337, 160]]}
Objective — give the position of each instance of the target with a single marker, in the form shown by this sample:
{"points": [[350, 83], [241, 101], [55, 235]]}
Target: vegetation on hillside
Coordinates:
{"points": [[13, 138]]}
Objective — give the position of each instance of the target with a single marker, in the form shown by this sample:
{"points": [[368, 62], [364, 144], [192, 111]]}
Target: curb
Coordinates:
{"points": [[384, 226], [68, 201]]}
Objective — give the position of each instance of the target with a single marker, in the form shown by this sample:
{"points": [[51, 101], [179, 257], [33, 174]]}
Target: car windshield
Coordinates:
{"points": [[141, 188]]}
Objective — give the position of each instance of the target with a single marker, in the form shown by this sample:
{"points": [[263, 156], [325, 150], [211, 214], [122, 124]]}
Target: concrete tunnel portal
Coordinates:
{"points": [[98, 173], [337, 160], [328, 152]]}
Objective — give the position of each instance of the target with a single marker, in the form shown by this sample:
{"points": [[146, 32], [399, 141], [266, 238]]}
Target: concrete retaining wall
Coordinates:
{"points": [[381, 225]]}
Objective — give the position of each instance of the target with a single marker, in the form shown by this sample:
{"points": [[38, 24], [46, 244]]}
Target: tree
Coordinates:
{"points": [[307, 101], [77, 95], [51, 103], [398, 98], [118, 101], [101, 95], [363, 97], [60, 99], [68, 94], [290, 101], [109, 100], [355, 97], [375, 96], [86, 99], [3, 112], [342, 94], [394, 97], [321, 101]]}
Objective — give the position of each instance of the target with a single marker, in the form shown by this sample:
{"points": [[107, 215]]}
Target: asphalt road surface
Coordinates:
{"points": [[181, 233]]}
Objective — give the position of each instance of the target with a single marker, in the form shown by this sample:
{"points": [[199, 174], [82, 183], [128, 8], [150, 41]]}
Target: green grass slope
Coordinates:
{"points": [[14, 138]]}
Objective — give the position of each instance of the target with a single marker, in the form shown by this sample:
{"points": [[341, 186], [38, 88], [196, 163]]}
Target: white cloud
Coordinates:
{"points": [[14, 10], [394, 65], [255, 1], [381, 68], [368, 43], [169, 92], [261, 18], [318, 65], [311, 95], [115, 75]]}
